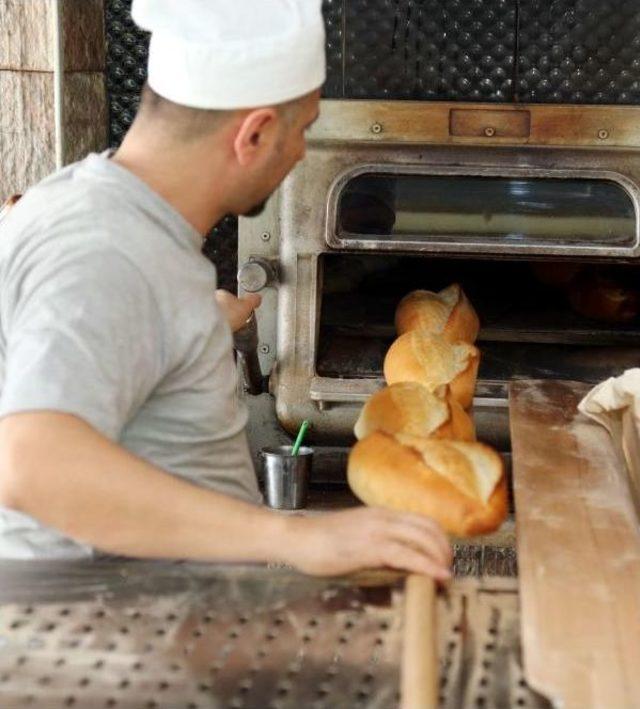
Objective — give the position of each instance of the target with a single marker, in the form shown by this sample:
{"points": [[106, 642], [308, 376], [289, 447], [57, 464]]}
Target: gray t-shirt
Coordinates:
{"points": [[107, 311]]}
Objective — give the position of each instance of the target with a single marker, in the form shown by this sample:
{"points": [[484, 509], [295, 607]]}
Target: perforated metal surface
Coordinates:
{"points": [[142, 635], [221, 247], [430, 49], [480, 648], [127, 50], [334, 23], [484, 560], [579, 51], [234, 639]]}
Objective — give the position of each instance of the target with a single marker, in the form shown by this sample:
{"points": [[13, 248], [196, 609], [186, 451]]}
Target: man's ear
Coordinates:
{"points": [[257, 128]]}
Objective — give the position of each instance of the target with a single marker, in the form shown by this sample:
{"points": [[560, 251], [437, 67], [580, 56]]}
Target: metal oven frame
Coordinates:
{"points": [[352, 137]]}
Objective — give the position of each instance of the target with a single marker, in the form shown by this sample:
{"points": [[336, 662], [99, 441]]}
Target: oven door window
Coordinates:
{"points": [[394, 210]]}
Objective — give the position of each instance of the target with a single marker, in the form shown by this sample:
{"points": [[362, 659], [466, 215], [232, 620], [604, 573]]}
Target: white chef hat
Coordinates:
{"points": [[228, 54]]}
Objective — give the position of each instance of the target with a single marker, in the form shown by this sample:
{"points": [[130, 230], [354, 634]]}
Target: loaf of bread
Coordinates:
{"points": [[601, 297], [459, 484], [409, 407], [447, 313], [429, 359], [556, 274]]}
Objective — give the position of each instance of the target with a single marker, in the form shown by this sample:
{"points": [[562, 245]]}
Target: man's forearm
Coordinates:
{"points": [[59, 470], [94, 491]]}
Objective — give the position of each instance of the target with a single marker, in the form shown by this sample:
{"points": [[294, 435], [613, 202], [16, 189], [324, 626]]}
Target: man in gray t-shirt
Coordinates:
{"points": [[120, 430], [107, 312]]}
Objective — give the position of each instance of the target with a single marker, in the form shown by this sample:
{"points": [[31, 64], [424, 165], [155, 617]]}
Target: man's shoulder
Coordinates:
{"points": [[73, 194], [75, 212]]}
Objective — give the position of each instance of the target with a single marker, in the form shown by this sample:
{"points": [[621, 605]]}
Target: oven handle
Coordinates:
{"points": [[245, 342]]}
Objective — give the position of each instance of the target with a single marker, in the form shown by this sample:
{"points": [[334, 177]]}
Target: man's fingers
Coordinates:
{"points": [[252, 300], [237, 310], [223, 295], [423, 541], [427, 526], [405, 558]]}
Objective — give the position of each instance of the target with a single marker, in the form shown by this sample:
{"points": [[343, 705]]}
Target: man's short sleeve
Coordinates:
{"points": [[82, 337]]}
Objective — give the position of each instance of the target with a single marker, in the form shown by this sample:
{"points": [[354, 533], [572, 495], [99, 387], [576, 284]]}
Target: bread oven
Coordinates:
{"points": [[532, 209]]}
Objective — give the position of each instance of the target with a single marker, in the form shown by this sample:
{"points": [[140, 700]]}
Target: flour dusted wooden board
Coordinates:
{"points": [[578, 552]]}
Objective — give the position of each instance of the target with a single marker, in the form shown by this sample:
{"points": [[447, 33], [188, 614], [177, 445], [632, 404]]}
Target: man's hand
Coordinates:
{"points": [[367, 538], [237, 310]]}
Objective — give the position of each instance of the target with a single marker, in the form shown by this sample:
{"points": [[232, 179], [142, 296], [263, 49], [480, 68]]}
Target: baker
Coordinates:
{"points": [[120, 428]]}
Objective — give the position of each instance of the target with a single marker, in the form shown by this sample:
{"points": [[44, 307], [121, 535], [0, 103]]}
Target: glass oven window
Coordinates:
{"points": [[479, 209]]}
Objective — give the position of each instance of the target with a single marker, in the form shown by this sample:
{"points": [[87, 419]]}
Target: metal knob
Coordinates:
{"points": [[255, 274]]}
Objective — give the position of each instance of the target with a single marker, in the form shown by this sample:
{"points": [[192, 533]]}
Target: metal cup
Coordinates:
{"points": [[286, 476]]}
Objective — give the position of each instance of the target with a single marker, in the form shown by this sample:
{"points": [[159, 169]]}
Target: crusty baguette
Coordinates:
{"points": [[448, 313], [409, 407], [459, 484], [419, 356], [554, 274], [600, 297]]}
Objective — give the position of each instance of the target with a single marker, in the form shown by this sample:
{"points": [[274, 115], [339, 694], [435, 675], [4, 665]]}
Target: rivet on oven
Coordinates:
{"points": [[265, 349], [603, 134], [265, 236], [376, 128], [489, 131]]}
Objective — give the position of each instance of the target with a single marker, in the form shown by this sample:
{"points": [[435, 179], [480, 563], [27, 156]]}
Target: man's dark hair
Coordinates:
{"points": [[188, 123]]}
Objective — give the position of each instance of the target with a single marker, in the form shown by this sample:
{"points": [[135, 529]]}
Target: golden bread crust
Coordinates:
{"points": [[460, 426], [384, 473], [409, 407], [428, 359], [448, 313]]}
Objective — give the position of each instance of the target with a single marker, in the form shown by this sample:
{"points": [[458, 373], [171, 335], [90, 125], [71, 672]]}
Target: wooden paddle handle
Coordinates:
{"points": [[420, 681]]}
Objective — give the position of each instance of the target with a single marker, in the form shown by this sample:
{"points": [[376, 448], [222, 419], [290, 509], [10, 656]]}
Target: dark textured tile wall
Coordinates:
{"points": [[567, 51], [334, 23], [579, 51], [454, 50], [127, 51], [574, 51]]}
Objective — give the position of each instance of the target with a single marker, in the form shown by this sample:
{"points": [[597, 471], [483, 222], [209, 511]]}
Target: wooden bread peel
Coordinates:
{"points": [[419, 680], [578, 551]]}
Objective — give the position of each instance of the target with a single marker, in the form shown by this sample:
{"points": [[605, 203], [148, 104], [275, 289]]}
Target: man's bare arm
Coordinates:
{"points": [[59, 470]]}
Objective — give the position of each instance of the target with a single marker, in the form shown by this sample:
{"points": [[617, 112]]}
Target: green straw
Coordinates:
{"points": [[301, 434]]}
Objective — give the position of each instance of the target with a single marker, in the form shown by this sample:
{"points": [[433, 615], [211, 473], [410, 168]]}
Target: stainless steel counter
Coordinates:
{"points": [[134, 635]]}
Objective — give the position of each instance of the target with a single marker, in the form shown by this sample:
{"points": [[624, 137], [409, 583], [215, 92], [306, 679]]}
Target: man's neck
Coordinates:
{"points": [[181, 177]]}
